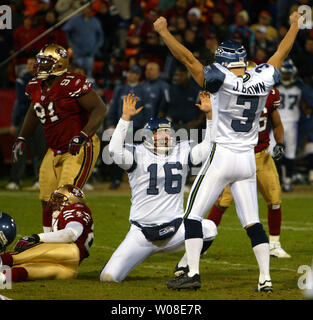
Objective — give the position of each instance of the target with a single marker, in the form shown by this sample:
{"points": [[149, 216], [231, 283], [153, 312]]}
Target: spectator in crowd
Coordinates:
{"points": [[219, 27], [22, 36], [36, 142], [230, 9], [304, 62], [179, 10], [132, 85], [56, 36], [194, 21], [241, 25], [66, 7], [265, 20], [261, 42], [6, 46], [180, 25], [184, 94], [157, 91], [207, 53], [85, 35]]}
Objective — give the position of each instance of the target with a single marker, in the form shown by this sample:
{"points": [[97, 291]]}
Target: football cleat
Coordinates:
{"points": [[277, 251], [178, 271], [266, 286], [12, 186], [185, 282]]}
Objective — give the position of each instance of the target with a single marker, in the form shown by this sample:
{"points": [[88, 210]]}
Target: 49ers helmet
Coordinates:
{"points": [[65, 195], [52, 59]]}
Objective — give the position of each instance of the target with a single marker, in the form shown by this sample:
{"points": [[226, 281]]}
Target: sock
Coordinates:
{"points": [[183, 261], [274, 220], [46, 217], [216, 214], [274, 238], [7, 259], [206, 246], [19, 274], [193, 250], [262, 254]]}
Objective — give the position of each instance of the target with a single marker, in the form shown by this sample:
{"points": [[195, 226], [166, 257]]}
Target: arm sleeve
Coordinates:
{"points": [[201, 151], [213, 78], [73, 230], [123, 157]]}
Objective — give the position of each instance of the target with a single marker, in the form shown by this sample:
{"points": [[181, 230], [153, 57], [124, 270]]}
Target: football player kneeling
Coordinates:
{"points": [[57, 254]]}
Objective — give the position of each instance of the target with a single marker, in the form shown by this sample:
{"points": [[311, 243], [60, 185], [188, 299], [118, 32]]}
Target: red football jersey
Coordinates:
{"points": [[80, 213], [272, 103], [58, 110]]}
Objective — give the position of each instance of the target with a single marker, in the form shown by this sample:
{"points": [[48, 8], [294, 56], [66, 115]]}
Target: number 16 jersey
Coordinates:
{"points": [[237, 103], [58, 108]]}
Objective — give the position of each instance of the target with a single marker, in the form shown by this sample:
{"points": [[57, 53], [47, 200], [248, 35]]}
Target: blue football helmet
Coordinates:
{"points": [[288, 72], [7, 230], [231, 54], [159, 136]]}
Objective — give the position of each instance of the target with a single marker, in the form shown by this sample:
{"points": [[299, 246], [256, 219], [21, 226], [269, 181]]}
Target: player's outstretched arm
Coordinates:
{"points": [[123, 157], [180, 52], [286, 44]]}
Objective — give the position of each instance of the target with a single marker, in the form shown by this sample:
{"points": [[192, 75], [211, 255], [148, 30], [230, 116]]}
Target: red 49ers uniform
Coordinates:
{"points": [[80, 213], [62, 118], [267, 176]]}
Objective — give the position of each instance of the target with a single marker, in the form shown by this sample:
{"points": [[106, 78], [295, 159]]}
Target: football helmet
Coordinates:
{"points": [[7, 230], [251, 65], [288, 72], [52, 60], [159, 136], [65, 195], [231, 54]]}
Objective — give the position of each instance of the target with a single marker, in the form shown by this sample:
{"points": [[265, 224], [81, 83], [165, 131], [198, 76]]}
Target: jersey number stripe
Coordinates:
{"points": [[245, 126], [169, 178]]}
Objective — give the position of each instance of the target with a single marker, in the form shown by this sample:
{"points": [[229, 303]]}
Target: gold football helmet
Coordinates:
{"points": [[251, 65], [65, 195], [52, 59]]}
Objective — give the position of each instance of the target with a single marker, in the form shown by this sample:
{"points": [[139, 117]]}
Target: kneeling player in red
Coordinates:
{"points": [[57, 254]]}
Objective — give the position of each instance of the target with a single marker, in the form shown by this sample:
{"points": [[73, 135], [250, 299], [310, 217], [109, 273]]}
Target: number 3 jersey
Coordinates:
{"points": [[77, 212], [237, 103], [157, 184], [58, 109]]}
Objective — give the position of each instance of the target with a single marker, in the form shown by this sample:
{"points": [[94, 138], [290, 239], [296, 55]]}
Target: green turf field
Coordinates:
{"points": [[228, 271]]}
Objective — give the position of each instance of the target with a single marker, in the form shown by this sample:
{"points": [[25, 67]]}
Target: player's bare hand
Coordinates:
{"points": [[160, 25], [205, 105], [296, 18], [129, 107]]}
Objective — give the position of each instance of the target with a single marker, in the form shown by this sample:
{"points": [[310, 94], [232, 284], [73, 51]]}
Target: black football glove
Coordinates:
{"points": [[18, 149], [26, 243], [278, 151], [77, 142]]}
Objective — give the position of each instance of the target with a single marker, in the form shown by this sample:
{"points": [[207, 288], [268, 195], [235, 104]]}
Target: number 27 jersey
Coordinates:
{"points": [[58, 109], [237, 103]]}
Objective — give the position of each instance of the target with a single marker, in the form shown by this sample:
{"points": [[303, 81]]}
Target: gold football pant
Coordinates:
{"points": [[49, 261], [67, 169], [267, 180]]}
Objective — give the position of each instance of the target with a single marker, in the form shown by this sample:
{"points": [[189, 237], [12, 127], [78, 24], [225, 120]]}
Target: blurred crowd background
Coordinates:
{"points": [[114, 44]]}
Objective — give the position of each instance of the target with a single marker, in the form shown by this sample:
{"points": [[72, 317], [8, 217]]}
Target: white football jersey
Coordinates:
{"points": [[289, 109], [237, 103], [157, 185]]}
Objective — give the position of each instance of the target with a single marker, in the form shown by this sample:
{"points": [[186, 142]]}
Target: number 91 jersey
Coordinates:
{"points": [[237, 103], [157, 185], [58, 109]]}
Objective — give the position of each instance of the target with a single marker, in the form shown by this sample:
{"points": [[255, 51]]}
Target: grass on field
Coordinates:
{"points": [[228, 271]]}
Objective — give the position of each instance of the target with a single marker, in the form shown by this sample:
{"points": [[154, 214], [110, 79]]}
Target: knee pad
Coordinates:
{"points": [[209, 229], [257, 234], [193, 229]]}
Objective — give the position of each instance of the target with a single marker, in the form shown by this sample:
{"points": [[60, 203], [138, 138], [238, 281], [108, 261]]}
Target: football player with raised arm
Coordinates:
{"points": [[266, 173], [56, 254], [238, 98], [70, 112], [157, 171]]}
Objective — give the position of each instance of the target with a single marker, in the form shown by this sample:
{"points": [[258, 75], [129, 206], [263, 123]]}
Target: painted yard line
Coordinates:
{"points": [[283, 227]]}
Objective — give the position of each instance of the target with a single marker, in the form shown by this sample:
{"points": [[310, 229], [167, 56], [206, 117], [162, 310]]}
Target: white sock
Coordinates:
{"points": [[274, 238], [262, 254], [47, 229], [193, 249], [183, 261]]}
